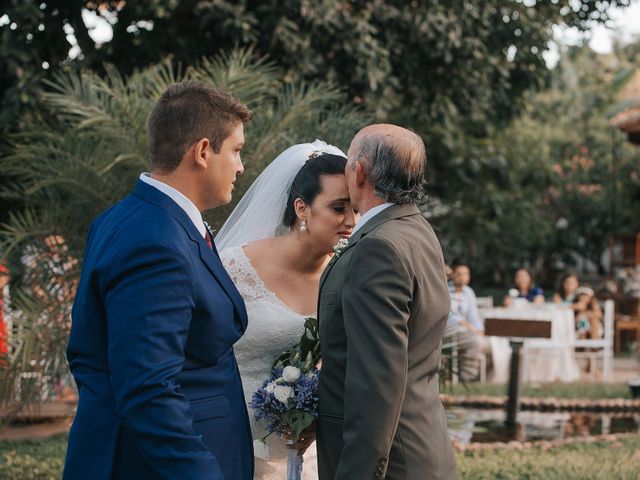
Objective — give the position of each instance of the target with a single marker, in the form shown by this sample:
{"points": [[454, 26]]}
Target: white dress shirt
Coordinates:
{"points": [[187, 205], [369, 214]]}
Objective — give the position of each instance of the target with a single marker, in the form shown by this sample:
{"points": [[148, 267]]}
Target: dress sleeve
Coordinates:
{"points": [[229, 260], [535, 291], [242, 273]]}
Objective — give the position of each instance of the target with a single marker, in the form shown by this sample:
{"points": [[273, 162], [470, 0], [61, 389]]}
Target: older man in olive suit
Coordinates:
{"points": [[382, 311]]}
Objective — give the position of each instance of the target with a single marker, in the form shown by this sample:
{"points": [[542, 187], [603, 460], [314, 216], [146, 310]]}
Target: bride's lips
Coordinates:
{"points": [[344, 234]]}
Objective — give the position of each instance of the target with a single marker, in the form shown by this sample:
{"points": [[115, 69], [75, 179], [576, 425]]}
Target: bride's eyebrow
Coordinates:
{"points": [[347, 199]]}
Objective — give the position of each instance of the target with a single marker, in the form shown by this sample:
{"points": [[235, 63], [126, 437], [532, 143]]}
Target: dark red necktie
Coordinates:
{"points": [[208, 238]]}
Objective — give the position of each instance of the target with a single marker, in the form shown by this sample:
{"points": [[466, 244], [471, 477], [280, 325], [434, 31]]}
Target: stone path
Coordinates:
{"points": [[39, 421], [35, 431]]}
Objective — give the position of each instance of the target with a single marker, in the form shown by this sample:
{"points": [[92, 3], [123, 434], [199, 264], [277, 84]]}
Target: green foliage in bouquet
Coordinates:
{"points": [[298, 421], [306, 354]]}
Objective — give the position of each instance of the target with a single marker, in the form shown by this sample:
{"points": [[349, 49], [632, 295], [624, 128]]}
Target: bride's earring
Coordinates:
{"points": [[303, 225]]}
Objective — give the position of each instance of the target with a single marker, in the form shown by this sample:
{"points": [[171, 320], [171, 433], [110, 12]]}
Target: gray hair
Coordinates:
{"points": [[395, 166]]}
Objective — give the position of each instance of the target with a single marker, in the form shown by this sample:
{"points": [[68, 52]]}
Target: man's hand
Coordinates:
{"points": [[304, 441], [470, 327]]}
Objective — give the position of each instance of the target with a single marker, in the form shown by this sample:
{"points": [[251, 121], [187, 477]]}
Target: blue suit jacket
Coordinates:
{"points": [[154, 321]]}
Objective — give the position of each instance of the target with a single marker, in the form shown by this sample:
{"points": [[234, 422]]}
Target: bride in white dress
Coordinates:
{"points": [[275, 245]]}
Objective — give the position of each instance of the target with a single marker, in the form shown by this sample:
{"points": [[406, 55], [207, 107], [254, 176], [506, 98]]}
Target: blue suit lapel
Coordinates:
{"points": [[208, 256], [214, 265]]}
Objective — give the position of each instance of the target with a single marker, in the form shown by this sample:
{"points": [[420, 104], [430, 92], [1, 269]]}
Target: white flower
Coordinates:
{"points": [[341, 245], [283, 393], [260, 449], [270, 387], [291, 374]]}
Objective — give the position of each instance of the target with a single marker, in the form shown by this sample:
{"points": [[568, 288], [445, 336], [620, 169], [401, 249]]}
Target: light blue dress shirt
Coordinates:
{"points": [[464, 307]]}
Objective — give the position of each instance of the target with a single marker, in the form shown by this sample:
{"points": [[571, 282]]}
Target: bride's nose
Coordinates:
{"points": [[349, 218]]}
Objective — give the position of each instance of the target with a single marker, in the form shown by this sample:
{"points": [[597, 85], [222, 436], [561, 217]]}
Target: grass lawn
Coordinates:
{"points": [[559, 390], [600, 460], [25, 460], [609, 460]]}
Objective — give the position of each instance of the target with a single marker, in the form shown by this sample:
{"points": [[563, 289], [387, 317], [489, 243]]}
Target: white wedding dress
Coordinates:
{"points": [[273, 327]]}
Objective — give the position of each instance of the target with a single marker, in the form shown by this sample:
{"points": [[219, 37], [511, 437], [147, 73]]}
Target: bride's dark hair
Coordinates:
{"points": [[306, 185]]}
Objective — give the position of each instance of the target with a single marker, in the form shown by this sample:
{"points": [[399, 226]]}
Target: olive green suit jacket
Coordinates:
{"points": [[382, 311]]}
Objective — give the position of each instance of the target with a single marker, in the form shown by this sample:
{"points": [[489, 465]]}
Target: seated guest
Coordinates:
{"points": [[525, 288], [464, 313], [463, 298], [567, 291], [588, 314]]}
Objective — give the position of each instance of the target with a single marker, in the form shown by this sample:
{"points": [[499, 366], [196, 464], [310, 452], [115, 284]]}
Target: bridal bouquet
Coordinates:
{"points": [[287, 401]]}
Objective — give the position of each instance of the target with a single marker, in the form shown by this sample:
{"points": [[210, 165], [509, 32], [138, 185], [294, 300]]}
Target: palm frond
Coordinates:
{"points": [[254, 80]]}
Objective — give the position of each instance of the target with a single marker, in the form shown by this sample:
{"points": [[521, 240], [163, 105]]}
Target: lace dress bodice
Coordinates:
{"points": [[273, 327]]}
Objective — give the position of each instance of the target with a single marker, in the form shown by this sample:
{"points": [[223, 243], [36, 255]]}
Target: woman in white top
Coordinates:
{"points": [[275, 247]]}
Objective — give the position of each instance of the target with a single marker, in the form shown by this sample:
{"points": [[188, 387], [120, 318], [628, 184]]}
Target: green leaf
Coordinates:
{"points": [[298, 421]]}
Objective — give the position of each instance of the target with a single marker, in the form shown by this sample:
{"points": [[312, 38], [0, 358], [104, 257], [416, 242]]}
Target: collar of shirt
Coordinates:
{"points": [[369, 214], [187, 205]]}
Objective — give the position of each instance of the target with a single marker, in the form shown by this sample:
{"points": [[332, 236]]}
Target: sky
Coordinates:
{"points": [[624, 24]]}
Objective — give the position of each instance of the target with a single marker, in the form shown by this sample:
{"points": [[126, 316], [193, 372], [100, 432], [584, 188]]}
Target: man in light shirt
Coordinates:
{"points": [[465, 314]]}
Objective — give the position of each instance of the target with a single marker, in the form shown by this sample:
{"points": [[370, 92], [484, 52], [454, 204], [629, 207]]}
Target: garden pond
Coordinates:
{"points": [[467, 425]]}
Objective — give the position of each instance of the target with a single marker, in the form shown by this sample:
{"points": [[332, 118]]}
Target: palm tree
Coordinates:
{"points": [[85, 154]]}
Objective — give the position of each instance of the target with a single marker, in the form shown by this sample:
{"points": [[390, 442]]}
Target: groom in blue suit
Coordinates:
{"points": [[156, 315]]}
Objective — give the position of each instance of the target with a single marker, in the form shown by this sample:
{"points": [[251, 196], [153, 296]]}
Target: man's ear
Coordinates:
{"points": [[201, 153], [360, 174]]}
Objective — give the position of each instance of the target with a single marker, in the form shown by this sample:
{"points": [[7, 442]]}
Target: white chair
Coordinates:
{"points": [[484, 302], [600, 347]]}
